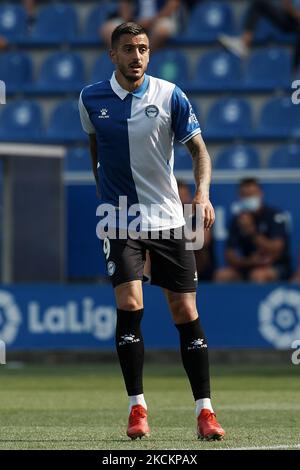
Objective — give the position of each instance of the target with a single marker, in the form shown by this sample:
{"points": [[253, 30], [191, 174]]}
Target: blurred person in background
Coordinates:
{"points": [[257, 246], [285, 15], [158, 17]]}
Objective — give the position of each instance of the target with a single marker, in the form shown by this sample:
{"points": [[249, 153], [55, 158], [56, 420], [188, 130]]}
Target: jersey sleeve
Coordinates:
{"points": [[185, 124], [86, 123]]}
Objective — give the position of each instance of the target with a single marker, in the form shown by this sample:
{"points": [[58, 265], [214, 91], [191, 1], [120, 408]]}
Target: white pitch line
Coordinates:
{"points": [[283, 446]]}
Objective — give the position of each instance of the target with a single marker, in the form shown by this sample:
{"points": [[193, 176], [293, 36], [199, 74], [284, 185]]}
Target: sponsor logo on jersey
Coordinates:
{"points": [[103, 114]]}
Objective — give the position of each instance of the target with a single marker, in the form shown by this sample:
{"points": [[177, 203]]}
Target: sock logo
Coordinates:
{"points": [[197, 344], [128, 339]]}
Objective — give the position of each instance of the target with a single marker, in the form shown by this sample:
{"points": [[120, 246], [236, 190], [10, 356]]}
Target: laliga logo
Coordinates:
{"points": [[10, 318], [279, 317]]}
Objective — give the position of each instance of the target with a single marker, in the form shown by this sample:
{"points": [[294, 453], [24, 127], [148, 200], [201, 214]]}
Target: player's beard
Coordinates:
{"points": [[125, 71]]}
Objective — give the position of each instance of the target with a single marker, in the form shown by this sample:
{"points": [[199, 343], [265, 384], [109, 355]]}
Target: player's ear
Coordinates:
{"points": [[112, 55]]}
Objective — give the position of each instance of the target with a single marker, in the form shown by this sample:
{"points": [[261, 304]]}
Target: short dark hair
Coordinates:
{"points": [[126, 28], [248, 181]]}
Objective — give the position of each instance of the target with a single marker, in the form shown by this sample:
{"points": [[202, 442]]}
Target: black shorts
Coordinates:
{"points": [[172, 266]]}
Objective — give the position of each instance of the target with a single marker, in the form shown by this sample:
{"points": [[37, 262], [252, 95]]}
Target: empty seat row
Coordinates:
{"points": [[234, 157], [265, 70], [24, 121], [56, 22], [233, 117], [227, 118], [241, 158], [59, 22]]}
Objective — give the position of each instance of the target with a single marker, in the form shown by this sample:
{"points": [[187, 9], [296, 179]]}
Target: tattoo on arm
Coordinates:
{"points": [[201, 163]]}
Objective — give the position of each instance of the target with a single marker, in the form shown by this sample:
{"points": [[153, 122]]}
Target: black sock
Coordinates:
{"points": [[194, 355], [130, 349]]}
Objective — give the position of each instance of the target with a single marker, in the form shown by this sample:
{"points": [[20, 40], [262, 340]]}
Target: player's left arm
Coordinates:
{"points": [[202, 175]]}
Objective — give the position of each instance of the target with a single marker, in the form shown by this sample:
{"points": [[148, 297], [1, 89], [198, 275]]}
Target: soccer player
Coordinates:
{"points": [[132, 120]]}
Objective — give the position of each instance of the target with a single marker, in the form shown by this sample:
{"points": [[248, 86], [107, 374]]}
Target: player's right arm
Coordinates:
{"points": [[94, 156], [89, 128]]}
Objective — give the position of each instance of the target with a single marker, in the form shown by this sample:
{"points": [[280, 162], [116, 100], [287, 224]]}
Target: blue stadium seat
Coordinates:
{"points": [[64, 124], [285, 156], [218, 70], [237, 157], [283, 37], [78, 159], [208, 20], [268, 69], [229, 118], [96, 18], [15, 70], [102, 68], [279, 118], [12, 22], [55, 23], [21, 120], [61, 71], [171, 65]]}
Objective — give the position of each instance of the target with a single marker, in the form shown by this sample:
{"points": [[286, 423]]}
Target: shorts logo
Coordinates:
{"points": [[197, 344], [128, 339], [152, 111], [111, 267]]}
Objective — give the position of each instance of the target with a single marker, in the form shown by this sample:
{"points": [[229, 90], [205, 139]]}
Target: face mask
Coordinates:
{"points": [[250, 204]]}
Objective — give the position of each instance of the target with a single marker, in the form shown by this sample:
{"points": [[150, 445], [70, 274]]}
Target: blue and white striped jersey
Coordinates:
{"points": [[135, 133]]}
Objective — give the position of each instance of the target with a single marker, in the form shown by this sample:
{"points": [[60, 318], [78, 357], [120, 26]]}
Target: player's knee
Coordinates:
{"points": [[183, 311], [130, 303]]}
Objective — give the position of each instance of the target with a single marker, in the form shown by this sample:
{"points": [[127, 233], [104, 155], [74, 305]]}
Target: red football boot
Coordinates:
{"points": [[137, 422], [208, 427]]}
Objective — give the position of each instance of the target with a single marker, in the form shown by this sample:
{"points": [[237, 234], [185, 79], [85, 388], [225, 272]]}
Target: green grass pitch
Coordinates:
{"points": [[85, 407]]}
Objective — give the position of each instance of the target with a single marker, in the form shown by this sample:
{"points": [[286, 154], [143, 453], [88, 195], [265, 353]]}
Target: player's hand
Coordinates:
{"points": [[207, 209]]}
